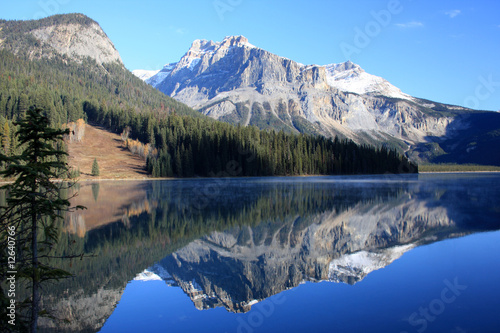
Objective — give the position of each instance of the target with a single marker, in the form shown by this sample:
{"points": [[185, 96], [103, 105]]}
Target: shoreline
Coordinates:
{"points": [[441, 172], [3, 182]]}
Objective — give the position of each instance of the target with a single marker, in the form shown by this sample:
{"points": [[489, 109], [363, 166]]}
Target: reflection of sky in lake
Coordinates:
{"points": [[445, 286]]}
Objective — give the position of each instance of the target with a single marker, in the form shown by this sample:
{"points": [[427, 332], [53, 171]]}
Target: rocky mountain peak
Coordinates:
{"points": [[235, 41], [343, 67], [202, 46], [72, 35]]}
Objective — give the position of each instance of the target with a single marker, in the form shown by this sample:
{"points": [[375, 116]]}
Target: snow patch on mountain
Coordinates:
{"points": [[357, 265], [160, 75], [193, 63], [147, 276], [155, 273], [349, 77], [145, 74]]}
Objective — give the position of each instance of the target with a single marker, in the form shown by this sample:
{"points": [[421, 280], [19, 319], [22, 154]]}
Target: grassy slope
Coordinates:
{"points": [[115, 161]]}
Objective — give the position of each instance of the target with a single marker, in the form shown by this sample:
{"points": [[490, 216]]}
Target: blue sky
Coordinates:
{"points": [[446, 50]]}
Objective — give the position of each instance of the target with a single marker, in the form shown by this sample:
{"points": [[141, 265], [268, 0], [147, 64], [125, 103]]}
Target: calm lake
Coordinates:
{"points": [[409, 253]]}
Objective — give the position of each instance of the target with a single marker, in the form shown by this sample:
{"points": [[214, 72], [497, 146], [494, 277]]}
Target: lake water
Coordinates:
{"points": [[410, 253]]}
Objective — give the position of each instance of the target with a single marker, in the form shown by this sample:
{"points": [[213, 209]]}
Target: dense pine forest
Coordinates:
{"points": [[188, 147], [185, 143]]}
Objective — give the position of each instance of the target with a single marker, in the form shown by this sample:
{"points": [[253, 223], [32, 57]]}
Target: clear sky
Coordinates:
{"points": [[446, 50]]}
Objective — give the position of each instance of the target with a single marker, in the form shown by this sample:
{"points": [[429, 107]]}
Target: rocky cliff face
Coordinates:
{"points": [[78, 41], [74, 36], [80, 312], [237, 82]]}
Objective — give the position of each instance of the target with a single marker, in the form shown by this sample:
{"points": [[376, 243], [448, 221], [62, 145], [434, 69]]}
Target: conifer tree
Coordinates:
{"points": [[6, 138], [95, 168], [33, 211]]}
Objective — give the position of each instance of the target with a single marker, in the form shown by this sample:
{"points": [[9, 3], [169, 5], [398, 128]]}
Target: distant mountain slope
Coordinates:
{"points": [[67, 65], [479, 144], [236, 82]]}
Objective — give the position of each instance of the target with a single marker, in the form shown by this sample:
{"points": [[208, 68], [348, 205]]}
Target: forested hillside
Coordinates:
{"points": [[61, 87], [187, 143], [188, 146]]}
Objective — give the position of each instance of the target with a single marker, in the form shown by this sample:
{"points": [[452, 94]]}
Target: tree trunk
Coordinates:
{"points": [[34, 250], [36, 280]]}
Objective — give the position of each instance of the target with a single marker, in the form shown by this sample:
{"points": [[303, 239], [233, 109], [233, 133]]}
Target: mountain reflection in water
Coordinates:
{"points": [[234, 242]]}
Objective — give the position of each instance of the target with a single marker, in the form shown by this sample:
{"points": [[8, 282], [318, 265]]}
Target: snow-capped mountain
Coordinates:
{"points": [[144, 74], [237, 82]]}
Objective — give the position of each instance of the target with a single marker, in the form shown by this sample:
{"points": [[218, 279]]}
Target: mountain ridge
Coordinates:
{"points": [[237, 82]]}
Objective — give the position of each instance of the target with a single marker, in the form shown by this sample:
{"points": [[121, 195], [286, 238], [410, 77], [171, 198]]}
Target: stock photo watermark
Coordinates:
{"points": [[420, 319], [364, 36], [49, 7], [258, 316], [11, 275], [224, 6], [483, 91]]}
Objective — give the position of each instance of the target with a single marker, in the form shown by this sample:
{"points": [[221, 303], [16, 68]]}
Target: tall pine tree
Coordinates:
{"points": [[32, 214]]}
